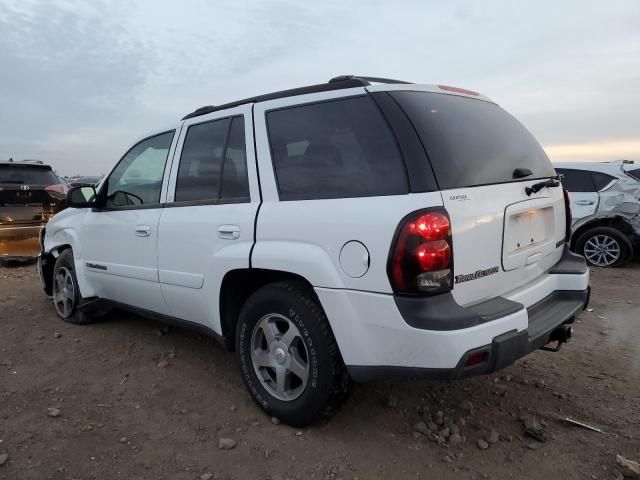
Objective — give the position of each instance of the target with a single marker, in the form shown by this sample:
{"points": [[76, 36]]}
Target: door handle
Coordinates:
{"points": [[584, 202], [229, 232], [143, 230]]}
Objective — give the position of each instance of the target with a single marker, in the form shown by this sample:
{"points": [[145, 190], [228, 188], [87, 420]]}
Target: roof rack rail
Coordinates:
{"points": [[38, 162], [366, 80], [336, 83]]}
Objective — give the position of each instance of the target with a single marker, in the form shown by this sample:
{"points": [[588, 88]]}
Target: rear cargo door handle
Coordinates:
{"points": [[143, 230], [229, 232], [584, 202]]}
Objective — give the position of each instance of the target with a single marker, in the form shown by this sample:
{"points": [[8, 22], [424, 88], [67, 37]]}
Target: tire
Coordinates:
{"points": [[605, 247], [267, 346], [66, 294]]}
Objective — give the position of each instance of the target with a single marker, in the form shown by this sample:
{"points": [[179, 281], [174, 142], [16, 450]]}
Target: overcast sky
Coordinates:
{"points": [[80, 81]]}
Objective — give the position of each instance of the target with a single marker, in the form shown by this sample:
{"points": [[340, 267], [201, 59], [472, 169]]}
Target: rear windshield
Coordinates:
{"points": [[635, 173], [27, 175], [472, 142]]}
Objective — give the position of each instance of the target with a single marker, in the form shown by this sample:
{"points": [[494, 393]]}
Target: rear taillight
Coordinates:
{"points": [[58, 188], [567, 213], [421, 258]]}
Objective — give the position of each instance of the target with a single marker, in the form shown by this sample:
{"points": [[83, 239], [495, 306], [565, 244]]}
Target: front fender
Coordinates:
{"points": [[61, 233]]}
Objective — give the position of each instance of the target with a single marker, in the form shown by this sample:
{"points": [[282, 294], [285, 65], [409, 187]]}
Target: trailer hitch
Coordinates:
{"points": [[562, 334]]}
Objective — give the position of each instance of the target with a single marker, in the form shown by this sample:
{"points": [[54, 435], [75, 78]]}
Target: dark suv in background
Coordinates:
{"points": [[30, 194]]}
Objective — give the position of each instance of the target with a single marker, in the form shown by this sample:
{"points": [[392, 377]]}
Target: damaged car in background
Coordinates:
{"points": [[30, 194], [605, 203]]}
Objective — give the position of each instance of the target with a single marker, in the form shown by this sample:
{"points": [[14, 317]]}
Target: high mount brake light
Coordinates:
{"points": [[448, 88], [421, 259]]}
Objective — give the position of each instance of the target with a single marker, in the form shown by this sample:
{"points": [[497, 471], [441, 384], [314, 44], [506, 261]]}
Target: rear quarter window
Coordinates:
{"points": [[576, 180], [635, 173], [335, 149], [601, 180], [472, 142]]}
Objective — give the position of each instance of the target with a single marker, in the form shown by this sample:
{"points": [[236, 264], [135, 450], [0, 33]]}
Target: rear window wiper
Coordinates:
{"points": [[536, 187]]}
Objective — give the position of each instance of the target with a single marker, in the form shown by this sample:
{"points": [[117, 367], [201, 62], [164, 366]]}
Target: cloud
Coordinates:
{"points": [[602, 150], [105, 72]]}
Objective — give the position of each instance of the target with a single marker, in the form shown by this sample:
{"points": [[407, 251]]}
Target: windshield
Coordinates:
{"points": [[27, 175], [472, 142]]}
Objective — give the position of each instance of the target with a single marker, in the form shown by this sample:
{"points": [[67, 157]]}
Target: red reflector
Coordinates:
{"points": [[434, 255], [476, 359], [432, 226], [458, 90]]}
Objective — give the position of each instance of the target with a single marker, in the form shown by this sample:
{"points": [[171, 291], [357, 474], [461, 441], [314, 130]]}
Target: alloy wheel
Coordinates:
{"points": [[602, 250], [64, 292], [280, 357]]}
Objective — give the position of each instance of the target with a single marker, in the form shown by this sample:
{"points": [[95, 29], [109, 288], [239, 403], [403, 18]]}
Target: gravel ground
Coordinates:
{"points": [[127, 398]]}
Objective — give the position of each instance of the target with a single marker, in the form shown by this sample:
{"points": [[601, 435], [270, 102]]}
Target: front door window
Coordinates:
{"points": [[137, 180]]}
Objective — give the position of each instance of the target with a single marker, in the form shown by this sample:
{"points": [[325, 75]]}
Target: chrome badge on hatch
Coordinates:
{"points": [[475, 275]]}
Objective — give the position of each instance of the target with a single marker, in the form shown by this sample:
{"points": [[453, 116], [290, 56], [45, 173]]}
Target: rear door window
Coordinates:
{"points": [[27, 175], [576, 180], [335, 149], [213, 164], [472, 142]]}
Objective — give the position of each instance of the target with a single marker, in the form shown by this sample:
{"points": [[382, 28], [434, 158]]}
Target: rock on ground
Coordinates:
{"points": [[54, 412], [226, 443], [629, 468]]}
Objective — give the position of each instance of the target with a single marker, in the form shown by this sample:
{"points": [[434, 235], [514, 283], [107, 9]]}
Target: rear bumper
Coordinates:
{"points": [[19, 241], [550, 313], [381, 337]]}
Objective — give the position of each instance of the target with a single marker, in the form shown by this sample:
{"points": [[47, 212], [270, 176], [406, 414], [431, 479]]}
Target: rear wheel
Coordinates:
{"points": [[605, 247], [66, 294], [288, 356]]}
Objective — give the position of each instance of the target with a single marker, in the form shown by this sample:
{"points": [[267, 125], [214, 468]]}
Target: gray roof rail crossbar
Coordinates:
{"points": [[321, 87]]}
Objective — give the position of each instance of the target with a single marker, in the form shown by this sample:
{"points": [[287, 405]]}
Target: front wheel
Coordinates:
{"points": [[605, 247], [288, 355], [65, 290]]}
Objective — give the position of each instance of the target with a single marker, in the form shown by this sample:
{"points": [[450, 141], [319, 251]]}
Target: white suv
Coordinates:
{"points": [[334, 232]]}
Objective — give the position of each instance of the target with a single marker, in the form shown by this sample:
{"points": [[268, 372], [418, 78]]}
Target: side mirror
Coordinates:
{"points": [[81, 197]]}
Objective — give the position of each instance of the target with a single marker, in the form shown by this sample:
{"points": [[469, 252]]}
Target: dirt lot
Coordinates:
{"points": [[121, 416]]}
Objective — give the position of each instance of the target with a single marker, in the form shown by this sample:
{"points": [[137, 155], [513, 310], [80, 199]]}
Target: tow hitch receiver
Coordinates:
{"points": [[562, 334]]}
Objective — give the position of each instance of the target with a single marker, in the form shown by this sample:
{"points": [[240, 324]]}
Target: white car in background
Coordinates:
{"points": [[605, 203]]}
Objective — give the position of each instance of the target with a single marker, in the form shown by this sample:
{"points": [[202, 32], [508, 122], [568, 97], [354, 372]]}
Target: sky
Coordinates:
{"points": [[81, 81]]}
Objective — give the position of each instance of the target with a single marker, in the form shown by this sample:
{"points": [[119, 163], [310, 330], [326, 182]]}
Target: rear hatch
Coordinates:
{"points": [[483, 160], [29, 194]]}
